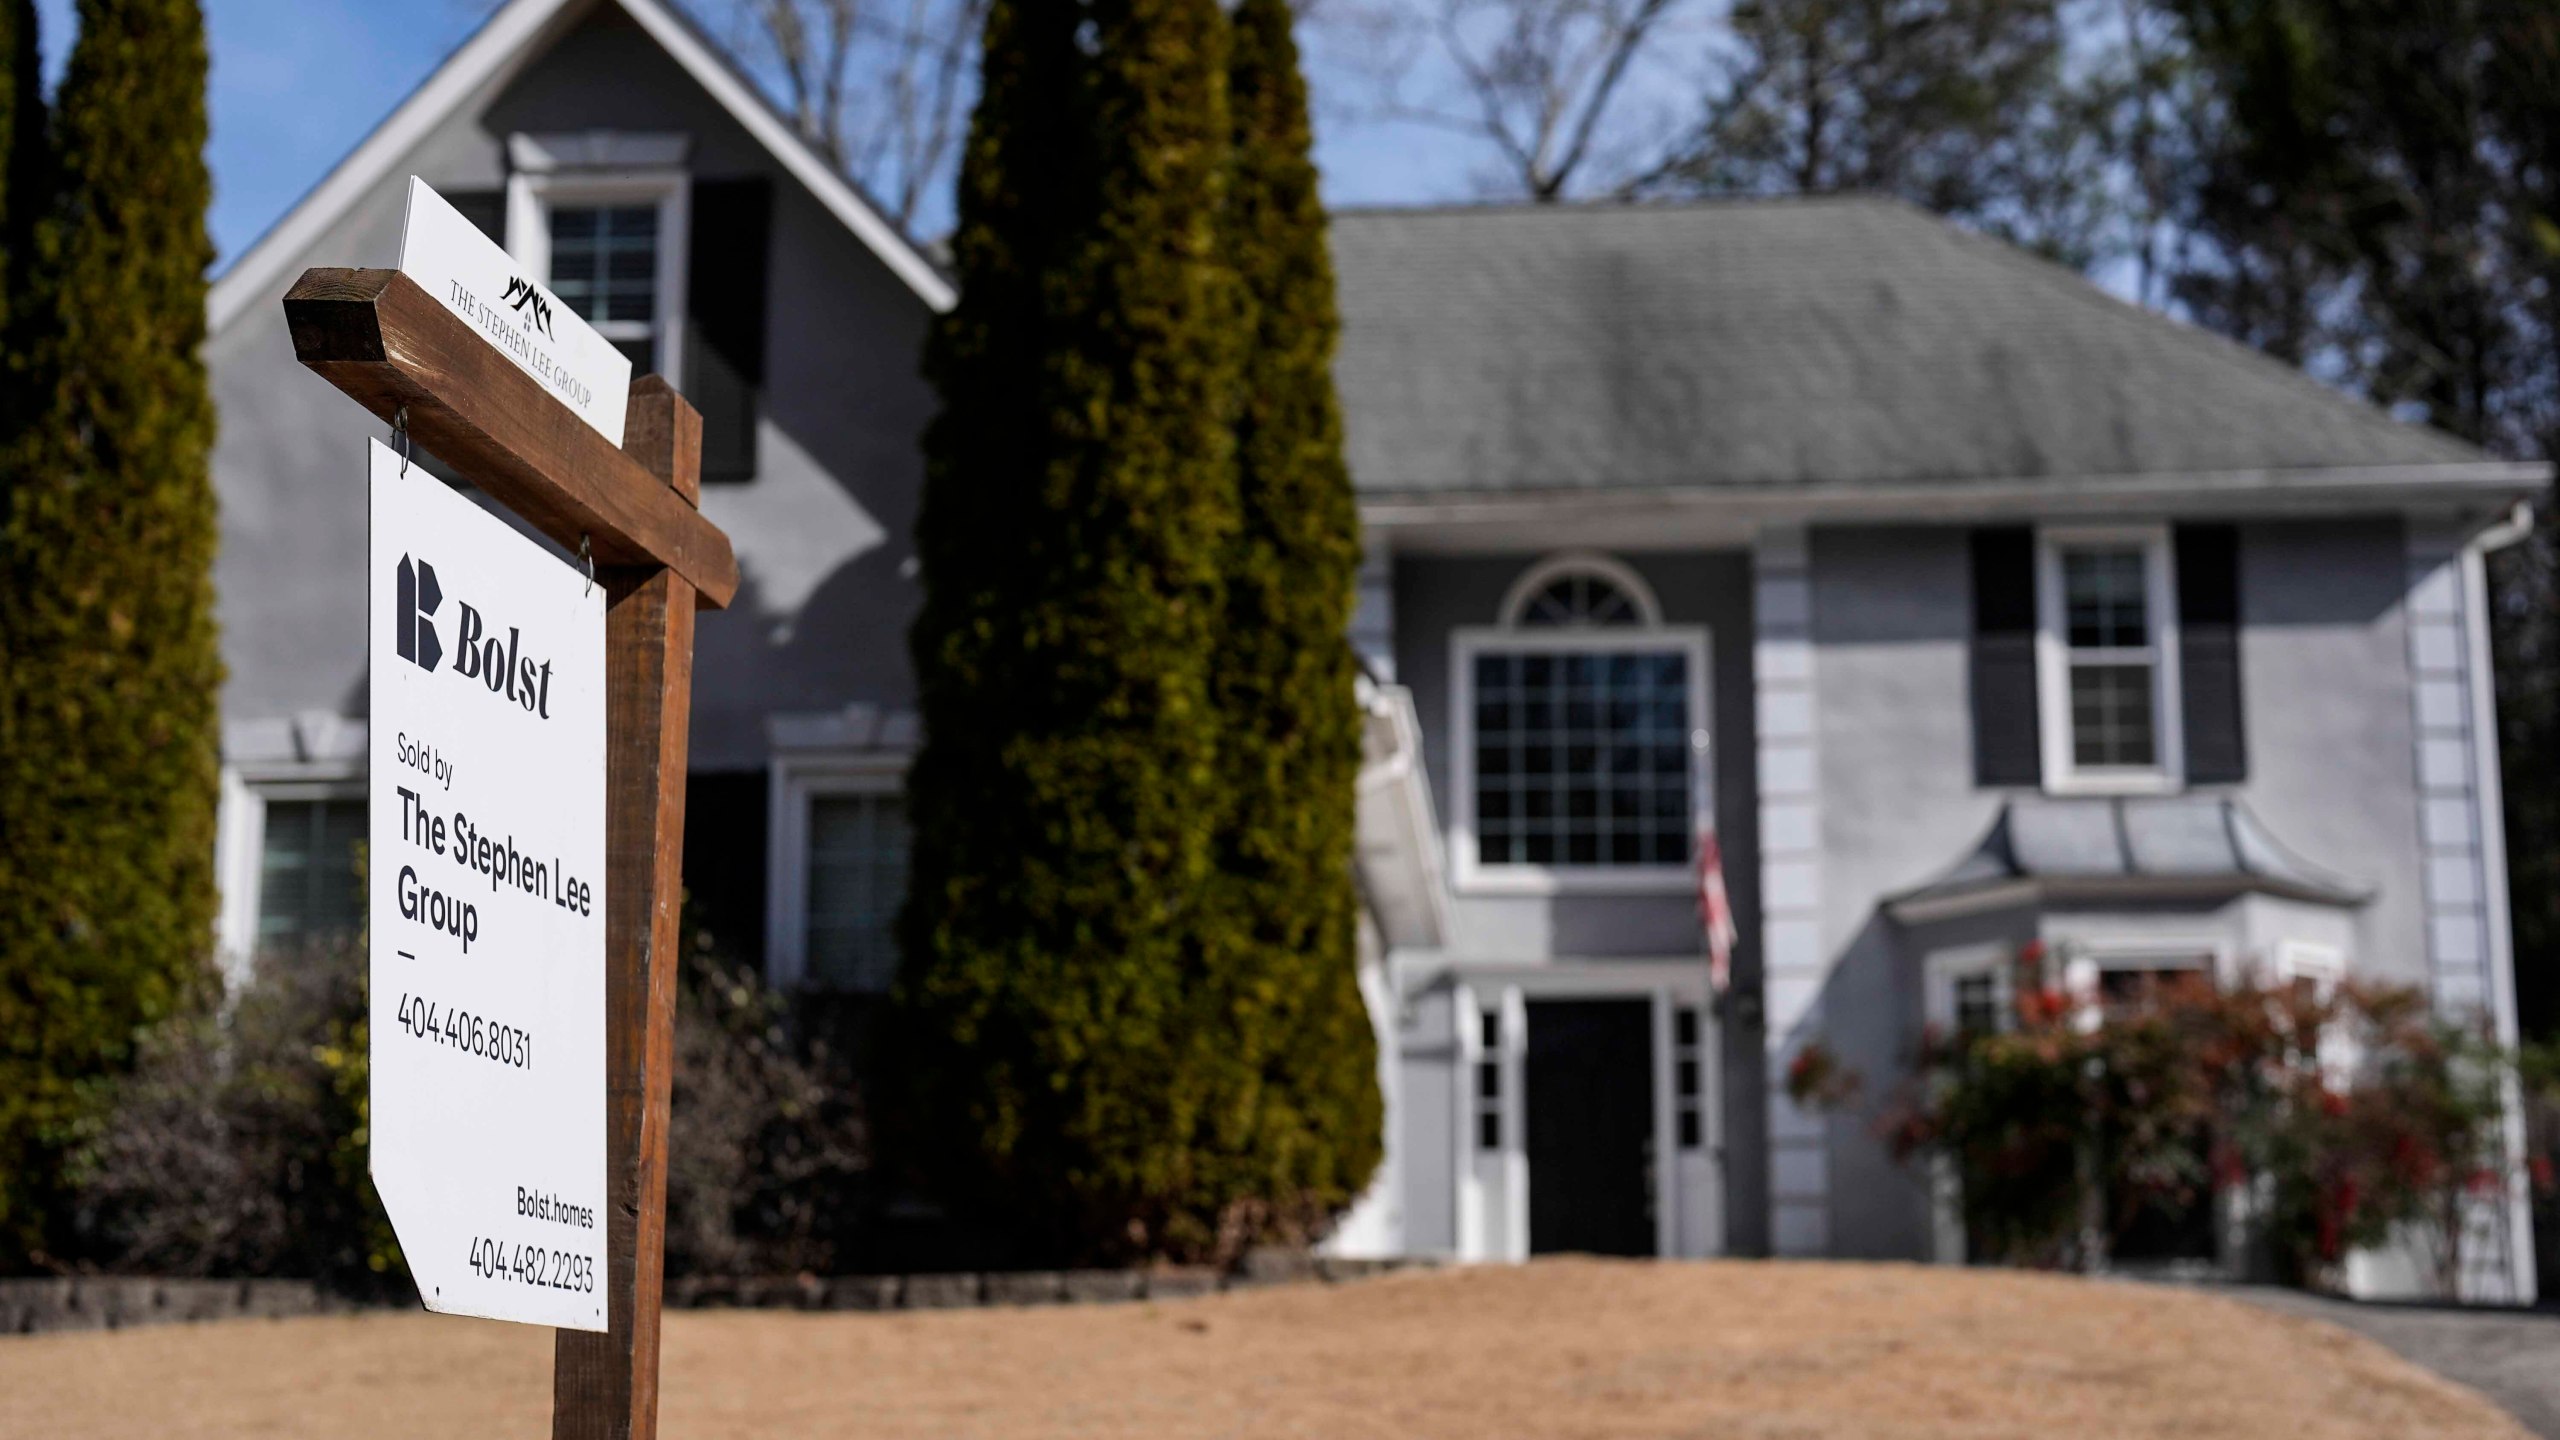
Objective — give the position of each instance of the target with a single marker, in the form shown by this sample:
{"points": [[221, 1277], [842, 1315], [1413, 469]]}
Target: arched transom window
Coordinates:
{"points": [[1581, 712], [1580, 592]]}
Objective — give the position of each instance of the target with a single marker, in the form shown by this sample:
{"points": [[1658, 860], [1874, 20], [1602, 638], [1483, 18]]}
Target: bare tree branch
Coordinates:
{"points": [[880, 87], [1543, 83]]}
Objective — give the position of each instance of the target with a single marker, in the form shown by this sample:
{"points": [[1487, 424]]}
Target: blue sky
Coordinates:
{"points": [[296, 83]]}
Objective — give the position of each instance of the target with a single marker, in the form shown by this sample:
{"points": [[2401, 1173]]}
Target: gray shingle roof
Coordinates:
{"points": [[2097, 848], [1753, 343]]}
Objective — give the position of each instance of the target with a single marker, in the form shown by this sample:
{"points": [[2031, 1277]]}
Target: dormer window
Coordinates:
{"points": [[604, 218], [1577, 720], [604, 265]]}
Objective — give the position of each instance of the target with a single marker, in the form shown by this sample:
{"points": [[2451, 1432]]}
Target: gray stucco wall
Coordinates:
{"points": [[2332, 768], [2327, 709], [1891, 617], [823, 534]]}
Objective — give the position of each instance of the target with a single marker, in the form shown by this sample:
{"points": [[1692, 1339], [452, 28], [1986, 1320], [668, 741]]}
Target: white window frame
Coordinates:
{"points": [[240, 842], [1493, 1188], [1470, 872], [2085, 961], [531, 196], [1942, 971], [795, 783], [2063, 775], [2325, 966], [1945, 969]]}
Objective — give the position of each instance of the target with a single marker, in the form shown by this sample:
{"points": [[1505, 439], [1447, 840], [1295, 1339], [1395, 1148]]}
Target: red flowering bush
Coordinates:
{"points": [[2327, 1120], [1816, 1080]]}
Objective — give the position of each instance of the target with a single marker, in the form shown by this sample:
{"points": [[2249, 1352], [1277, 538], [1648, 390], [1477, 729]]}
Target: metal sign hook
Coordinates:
{"points": [[587, 553], [400, 432]]}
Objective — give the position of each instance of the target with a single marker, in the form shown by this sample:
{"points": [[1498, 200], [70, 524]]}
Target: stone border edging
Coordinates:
{"points": [[69, 1304], [962, 1290], [58, 1304]]}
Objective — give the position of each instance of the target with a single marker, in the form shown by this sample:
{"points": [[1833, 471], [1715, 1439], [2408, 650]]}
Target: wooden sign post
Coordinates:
{"points": [[396, 350]]}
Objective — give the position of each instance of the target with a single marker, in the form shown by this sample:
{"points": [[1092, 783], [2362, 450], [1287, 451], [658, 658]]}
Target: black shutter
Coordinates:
{"points": [[484, 208], [2209, 653], [724, 321], [2007, 736]]}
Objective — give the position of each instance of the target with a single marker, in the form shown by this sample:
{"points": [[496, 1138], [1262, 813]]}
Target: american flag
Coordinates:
{"points": [[1715, 908]]}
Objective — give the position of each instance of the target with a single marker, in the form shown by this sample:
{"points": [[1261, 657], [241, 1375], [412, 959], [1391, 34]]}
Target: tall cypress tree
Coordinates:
{"points": [[25, 187], [108, 661], [1295, 1114], [1078, 497]]}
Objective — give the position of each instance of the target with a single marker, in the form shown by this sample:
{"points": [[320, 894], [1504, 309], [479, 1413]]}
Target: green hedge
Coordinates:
{"points": [[1078, 499], [1128, 1022], [1293, 1111], [108, 662]]}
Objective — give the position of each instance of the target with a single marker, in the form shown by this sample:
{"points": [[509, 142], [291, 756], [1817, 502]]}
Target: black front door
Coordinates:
{"points": [[1590, 1108]]}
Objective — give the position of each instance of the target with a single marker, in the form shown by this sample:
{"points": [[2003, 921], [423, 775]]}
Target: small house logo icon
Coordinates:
{"points": [[414, 632], [521, 295]]}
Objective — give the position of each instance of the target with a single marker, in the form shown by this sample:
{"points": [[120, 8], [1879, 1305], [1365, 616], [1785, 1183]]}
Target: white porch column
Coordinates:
{"points": [[2462, 840], [1791, 949]]}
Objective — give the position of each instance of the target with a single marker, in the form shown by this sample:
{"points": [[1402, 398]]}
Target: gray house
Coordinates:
{"points": [[1973, 606]]}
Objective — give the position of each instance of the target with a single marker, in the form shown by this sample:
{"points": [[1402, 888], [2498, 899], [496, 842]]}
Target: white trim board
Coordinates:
{"points": [[1727, 516], [511, 38], [2451, 484]]}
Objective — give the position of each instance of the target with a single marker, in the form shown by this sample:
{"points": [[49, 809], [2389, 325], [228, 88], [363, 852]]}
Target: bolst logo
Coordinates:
{"points": [[419, 597], [500, 665]]}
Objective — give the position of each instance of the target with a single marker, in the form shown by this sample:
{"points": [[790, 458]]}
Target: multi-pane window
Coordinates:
{"points": [[1575, 723], [2132, 987], [1488, 1096], [857, 879], [1977, 1003], [2110, 656], [1688, 1061], [1581, 756], [308, 892], [604, 266]]}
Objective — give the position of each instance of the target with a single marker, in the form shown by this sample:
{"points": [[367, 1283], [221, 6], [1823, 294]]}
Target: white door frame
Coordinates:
{"points": [[1492, 1200]]}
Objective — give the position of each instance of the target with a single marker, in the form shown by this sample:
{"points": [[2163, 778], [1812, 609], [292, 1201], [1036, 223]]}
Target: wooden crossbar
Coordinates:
{"points": [[375, 335]]}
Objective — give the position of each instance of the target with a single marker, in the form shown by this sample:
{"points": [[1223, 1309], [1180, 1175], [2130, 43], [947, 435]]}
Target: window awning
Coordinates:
{"points": [[2179, 848]]}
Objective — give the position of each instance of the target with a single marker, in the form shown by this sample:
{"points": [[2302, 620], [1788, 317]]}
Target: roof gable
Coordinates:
{"points": [[513, 36], [1759, 345]]}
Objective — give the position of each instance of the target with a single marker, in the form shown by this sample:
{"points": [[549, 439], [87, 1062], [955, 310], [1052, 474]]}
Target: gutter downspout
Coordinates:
{"points": [[2500, 535], [2488, 784]]}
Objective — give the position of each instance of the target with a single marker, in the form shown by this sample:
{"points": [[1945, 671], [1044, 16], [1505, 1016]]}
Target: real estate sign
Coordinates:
{"points": [[466, 270], [486, 899]]}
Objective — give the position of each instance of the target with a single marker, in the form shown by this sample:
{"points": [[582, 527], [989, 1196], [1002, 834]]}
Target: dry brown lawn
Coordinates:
{"points": [[1557, 1349]]}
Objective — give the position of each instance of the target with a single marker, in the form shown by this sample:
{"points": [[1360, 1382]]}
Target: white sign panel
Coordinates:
{"points": [[452, 261], [485, 882]]}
